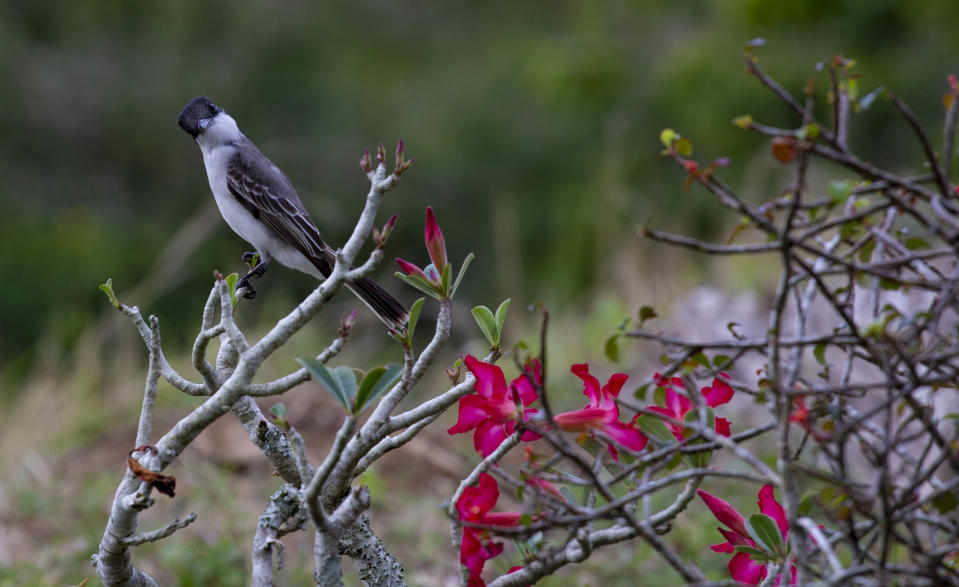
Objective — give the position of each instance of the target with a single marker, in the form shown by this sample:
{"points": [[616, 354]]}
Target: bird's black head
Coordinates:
{"points": [[197, 115]]}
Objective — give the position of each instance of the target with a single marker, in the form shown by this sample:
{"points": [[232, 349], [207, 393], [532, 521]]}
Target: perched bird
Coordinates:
{"points": [[259, 203]]}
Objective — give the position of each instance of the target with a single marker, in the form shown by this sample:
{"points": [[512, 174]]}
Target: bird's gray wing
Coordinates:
{"points": [[268, 194]]}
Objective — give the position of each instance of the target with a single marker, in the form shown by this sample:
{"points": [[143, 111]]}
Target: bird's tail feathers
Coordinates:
{"points": [[385, 306]]}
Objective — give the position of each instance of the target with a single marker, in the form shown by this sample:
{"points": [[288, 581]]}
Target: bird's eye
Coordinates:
{"points": [[213, 108]]}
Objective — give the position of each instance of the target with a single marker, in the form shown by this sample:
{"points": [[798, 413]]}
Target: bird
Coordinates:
{"points": [[258, 201]]}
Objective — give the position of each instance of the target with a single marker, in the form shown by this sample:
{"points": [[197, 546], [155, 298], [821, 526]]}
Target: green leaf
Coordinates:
{"points": [[107, 288], [231, 280], [330, 382], [415, 310], [568, 494], [446, 276], [656, 430], [459, 277], [744, 121], [487, 323], [945, 502], [611, 348], [913, 243], [646, 313], [376, 382], [684, 147], [839, 191], [866, 101], [701, 359], [763, 530], [419, 283], [755, 554], [719, 361], [501, 315], [667, 136], [278, 411], [820, 353]]}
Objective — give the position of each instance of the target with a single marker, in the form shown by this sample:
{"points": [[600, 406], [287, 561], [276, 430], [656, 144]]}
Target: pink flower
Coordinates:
{"points": [[741, 566], [601, 414], [678, 405], [435, 243], [492, 411], [477, 546]]}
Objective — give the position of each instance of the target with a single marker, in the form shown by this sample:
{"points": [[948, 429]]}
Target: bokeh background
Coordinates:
{"points": [[534, 126]]}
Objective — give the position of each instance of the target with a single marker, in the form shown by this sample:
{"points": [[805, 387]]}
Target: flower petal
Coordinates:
{"points": [[476, 501], [718, 393], [591, 384], [677, 403], [722, 427], [725, 513], [489, 435], [411, 269], [745, 570], [626, 436], [472, 411], [525, 388], [580, 420], [490, 381]]}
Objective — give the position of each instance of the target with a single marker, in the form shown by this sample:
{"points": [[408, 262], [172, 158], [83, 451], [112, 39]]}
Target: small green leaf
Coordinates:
{"points": [[684, 147], [107, 288], [487, 323], [763, 530], [945, 502], [376, 382], [744, 121], [719, 361], [501, 315], [231, 280], [278, 411], [419, 283], [415, 310], [646, 313], [913, 243], [820, 353], [667, 136], [459, 276], [701, 359], [656, 430], [446, 277], [329, 381], [839, 191], [611, 348], [866, 101], [755, 554]]}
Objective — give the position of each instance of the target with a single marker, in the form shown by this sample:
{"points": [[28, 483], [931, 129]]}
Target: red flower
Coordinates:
{"points": [[477, 546], [492, 411], [741, 567], [601, 414], [678, 405]]}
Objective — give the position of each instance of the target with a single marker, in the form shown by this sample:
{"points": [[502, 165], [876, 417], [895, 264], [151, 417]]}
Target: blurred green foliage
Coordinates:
{"points": [[534, 126]]}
